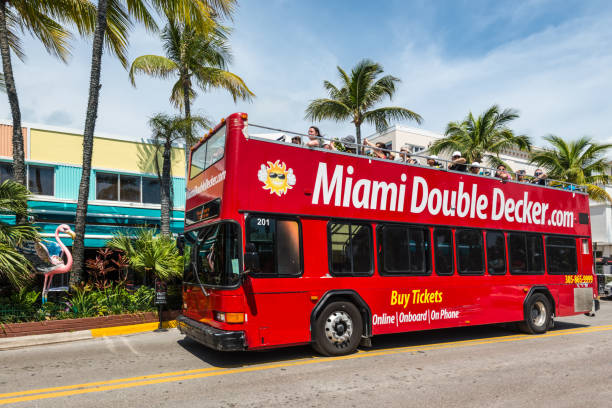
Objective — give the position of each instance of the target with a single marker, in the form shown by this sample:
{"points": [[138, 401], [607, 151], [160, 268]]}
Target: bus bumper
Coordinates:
{"points": [[594, 308], [217, 339]]}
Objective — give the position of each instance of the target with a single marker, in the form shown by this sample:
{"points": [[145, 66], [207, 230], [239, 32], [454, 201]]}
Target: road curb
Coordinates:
{"points": [[8, 343]]}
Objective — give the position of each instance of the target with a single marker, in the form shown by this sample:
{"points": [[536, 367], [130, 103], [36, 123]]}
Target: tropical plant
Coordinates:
{"points": [[580, 161], [13, 265], [148, 252], [99, 267], [196, 58], [482, 139], [43, 19], [166, 131], [356, 97], [113, 21]]}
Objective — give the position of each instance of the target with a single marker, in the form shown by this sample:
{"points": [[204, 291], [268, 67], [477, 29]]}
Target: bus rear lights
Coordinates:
{"points": [[229, 317], [244, 116]]}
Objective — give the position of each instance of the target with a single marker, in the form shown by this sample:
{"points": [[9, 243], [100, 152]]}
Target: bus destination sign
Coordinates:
{"points": [[203, 212]]}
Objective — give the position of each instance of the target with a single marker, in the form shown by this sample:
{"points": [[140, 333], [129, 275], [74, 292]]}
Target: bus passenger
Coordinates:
{"points": [[329, 145], [314, 134], [405, 152], [432, 162], [296, 140], [349, 144], [475, 168], [458, 162], [379, 150], [520, 176], [502, 174], [539, 177]]}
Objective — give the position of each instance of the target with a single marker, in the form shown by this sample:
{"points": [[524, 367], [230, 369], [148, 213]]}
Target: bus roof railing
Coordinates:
{"points": [[401, 157]]}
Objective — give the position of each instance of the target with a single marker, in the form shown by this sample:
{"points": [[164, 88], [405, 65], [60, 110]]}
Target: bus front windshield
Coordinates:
{"points": [[212, 255]]}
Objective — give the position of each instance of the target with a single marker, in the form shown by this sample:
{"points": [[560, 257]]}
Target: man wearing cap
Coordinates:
{"points": [[458, 162], [475, 168], [349, 143]]}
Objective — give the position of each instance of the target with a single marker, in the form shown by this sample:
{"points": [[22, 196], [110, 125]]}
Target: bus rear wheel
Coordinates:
{"points": [[537, 314], [338, 329]]}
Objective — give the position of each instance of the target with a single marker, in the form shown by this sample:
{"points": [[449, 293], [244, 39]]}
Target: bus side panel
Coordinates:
{"points": [[277, 312]]}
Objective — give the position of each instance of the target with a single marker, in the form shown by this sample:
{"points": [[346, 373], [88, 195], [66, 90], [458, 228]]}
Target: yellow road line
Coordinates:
{"points": [[213, 371], [129, 329]]}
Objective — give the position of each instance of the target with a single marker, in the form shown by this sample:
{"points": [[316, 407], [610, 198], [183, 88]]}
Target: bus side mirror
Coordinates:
{"points": [[180, 244], [251, 258]]}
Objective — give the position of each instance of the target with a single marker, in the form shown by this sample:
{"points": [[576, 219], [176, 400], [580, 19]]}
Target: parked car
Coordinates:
{"points": [[608, 289]]}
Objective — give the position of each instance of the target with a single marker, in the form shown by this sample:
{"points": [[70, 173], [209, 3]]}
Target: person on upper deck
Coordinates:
{"points": [[432, 162], [475, 168], [314, 134], [502, 174], [539, 177], [379, 150], [520, 176], [458, 162], [296, 140], [349, 144]]}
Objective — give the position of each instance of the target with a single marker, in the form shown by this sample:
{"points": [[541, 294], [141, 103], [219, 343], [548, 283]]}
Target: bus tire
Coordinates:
{"points": [[338, 329], [538, 313]]}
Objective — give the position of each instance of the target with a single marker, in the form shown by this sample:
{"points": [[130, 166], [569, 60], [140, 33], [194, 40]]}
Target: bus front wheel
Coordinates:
{"points": [[537, 314], [338, 329]]}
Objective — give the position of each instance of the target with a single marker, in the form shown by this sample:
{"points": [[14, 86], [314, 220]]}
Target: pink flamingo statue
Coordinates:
{"points": [[58, 264]]}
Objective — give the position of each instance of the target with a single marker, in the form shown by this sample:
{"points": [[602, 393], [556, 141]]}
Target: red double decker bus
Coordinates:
{"points": [[286, 245]]}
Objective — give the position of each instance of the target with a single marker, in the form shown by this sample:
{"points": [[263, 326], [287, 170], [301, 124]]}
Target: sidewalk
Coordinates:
{"points": [[42, 339]]}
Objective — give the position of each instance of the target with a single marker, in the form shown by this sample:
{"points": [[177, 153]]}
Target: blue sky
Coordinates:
{"points": [[550, 60]]}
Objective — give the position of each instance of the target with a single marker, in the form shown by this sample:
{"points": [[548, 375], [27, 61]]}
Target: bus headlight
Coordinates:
{"points": [[227, 317]]}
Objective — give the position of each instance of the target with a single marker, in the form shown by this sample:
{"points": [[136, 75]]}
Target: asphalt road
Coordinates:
{"points": [[488, 366]]}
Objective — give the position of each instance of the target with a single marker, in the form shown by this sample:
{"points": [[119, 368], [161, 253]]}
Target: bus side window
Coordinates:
{"points": [[443, 251], [496, 253], [349, 249], [526, 254], [561, 256], [470, 252], [404, 250], [277, 243]]}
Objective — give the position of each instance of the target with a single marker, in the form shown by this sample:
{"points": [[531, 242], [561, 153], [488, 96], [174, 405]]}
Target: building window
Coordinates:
{"points": [[350, 249], [277, 243], [6, 171], [40, 179], [127, 188]]}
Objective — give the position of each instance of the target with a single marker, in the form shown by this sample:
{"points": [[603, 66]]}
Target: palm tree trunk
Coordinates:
{"points": [[358, 136], [188, 136], [19, 172], [165, 189], [78, 249]]}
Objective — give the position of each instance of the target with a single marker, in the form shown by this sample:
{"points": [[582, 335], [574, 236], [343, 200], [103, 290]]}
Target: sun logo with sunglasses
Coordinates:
{"points": [[276, 177]]}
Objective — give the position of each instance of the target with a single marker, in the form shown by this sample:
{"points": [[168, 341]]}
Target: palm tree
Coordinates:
{"points": [[147, 252], [167, 130], [13, 265], [482, 138], [192, 56], [356, 97], [42, 18], [580, 161], [113, 21]]}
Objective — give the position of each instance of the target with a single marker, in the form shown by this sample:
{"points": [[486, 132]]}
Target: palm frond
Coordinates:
{"points": [[152, 65], [382, 116], [321, 109], [117, 29], [208, 78], [16, 235], [14, 266], [13, 197]]}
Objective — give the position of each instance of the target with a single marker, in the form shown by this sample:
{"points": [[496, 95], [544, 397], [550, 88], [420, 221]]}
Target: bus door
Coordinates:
{"points": [[273, 259]]}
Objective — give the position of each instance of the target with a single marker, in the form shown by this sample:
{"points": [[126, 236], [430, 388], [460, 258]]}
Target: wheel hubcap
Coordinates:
{"points": [[538, 314], [339, 328]]}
